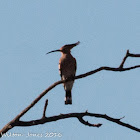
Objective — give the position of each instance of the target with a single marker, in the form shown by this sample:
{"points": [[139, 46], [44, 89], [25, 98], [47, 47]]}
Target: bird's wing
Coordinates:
{"points": [[60, 68], [61, 65], [75, 66]]}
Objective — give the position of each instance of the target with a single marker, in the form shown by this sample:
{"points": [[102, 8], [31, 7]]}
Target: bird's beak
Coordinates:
{"points": [[54, 51]]}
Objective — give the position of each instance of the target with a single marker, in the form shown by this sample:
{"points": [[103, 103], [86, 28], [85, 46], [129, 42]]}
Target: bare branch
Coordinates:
{"points": [[45, 107], [10, 125], [124, 59], [134, 55], [79, 116], [87, 123]]}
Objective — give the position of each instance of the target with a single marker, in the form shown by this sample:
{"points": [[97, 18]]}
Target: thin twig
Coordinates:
{"points": [[45, 107], [87, 123], [124, 59]]}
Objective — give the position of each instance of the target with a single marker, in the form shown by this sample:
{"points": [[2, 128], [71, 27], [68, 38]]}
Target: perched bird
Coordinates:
{"points": [[67, 68]]}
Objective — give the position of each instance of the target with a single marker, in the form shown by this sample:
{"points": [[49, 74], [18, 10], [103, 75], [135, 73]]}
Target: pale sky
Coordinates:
{"points": [[106, 29]]}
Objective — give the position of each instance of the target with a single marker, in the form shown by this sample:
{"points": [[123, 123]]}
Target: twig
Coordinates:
{"points": [[122, 118], [45, 107], [87, 123], [124, 59]]}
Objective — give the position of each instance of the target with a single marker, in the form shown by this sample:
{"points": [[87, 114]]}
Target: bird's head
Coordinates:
{"points": [[66, 48]]}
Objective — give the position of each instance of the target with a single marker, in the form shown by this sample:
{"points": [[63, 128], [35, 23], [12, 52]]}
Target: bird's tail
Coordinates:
{"points": [[68, 98]]}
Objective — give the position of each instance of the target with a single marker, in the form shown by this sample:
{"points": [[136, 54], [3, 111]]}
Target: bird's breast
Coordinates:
{"points": [[67, 65]]}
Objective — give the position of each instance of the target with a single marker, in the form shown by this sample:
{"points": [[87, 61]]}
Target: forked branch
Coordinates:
{"points": [[121, 68], [79, 116]]}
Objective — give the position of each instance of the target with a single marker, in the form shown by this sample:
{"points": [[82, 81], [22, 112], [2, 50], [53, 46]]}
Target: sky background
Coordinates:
{"points": [[106, 29]]}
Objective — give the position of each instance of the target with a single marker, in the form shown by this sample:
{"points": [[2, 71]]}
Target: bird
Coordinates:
{"points": [[67, 69]]}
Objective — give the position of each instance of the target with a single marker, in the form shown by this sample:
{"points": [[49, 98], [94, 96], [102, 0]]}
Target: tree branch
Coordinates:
{"points": [[45, 107], [124, 59], [10, 125], [79, 116]]}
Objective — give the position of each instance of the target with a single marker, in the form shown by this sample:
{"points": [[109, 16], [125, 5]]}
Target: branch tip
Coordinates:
{"points": [[122, 118], [98, 125], [127, 52], [80, 118]]}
